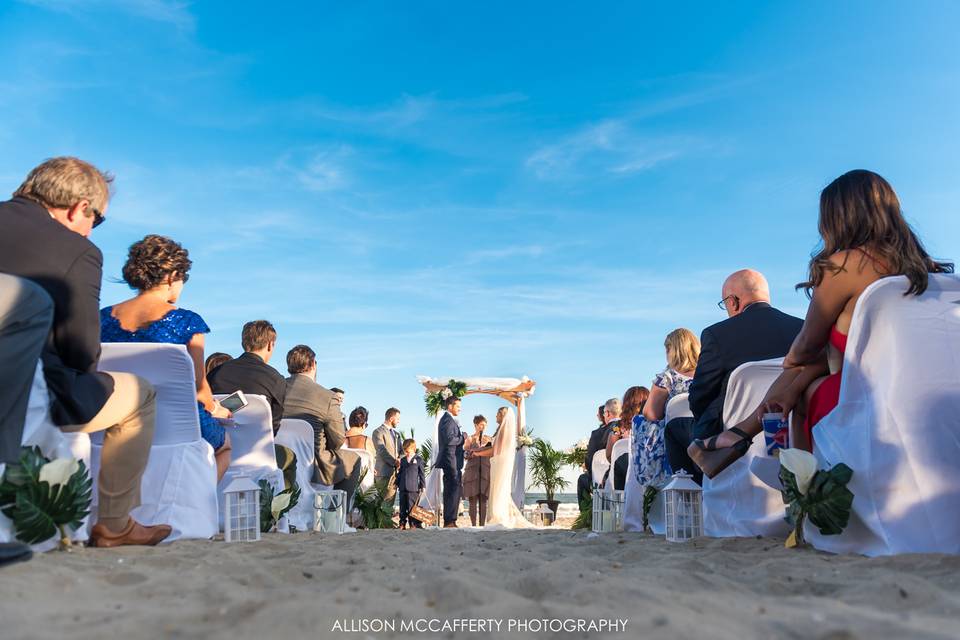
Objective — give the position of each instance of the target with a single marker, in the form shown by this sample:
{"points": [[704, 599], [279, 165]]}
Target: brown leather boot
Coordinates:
{"points": [[134, 533]]}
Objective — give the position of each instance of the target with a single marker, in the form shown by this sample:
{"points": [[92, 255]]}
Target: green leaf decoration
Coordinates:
{"points": [[585, 517], [827, 503], [373, 507], [37, 510], [649, 497], [267, 521], [434, 401]]}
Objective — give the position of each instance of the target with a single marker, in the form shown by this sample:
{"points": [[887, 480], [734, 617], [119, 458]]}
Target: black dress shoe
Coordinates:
{"points": [[11, 552]]}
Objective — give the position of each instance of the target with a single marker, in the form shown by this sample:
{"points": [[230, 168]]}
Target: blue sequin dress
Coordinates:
{"points": [[178, 326]]}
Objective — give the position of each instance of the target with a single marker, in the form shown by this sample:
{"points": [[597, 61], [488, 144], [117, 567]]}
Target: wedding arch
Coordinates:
{"points": [[512, 390]]}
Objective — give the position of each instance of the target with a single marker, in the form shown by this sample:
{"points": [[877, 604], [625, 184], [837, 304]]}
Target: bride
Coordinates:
{"points": [[502, 513]]}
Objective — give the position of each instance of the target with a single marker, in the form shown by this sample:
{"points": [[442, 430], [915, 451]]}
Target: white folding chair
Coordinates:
{"points": [[178, 486], [599, 466], [297, 435], [897, 423], [620, 448], [253, 451], [677, 407], [736, 502]]}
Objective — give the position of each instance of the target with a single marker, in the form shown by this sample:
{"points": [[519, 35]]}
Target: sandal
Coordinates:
{"points": [[712, 460]]}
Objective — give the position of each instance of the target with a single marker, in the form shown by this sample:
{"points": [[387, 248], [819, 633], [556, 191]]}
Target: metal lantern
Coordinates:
{"points": [[543, 515], [683, 508], [607, 511], [330, 511], [241, 510]]}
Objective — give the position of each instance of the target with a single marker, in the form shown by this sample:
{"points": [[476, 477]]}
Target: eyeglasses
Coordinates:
{"points": [[98, 218], [722, 304]]}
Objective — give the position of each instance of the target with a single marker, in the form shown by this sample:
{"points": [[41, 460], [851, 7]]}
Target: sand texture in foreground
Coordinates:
{"points": [[298, 586]]}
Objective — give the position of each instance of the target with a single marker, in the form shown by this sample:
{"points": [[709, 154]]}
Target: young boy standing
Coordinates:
{"points": [[410, 482]]}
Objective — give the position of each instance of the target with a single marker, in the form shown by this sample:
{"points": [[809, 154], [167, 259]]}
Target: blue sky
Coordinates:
{"points": [[541, 189]]}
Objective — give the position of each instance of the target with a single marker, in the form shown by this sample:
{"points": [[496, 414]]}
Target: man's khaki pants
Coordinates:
{"points": [[128, 418]]}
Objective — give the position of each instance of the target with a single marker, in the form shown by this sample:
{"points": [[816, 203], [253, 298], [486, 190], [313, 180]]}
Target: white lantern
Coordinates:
{"points": [[543, 515], [330, 511], [607, 511], [683, 508], [241, 511]]}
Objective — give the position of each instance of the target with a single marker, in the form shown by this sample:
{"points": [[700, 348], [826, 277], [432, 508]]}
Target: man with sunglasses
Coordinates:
{"points": [[44, 239], [753, 331]]}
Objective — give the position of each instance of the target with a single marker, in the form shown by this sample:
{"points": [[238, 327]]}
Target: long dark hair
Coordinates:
{"points": [[860, 210], [633, 400]]}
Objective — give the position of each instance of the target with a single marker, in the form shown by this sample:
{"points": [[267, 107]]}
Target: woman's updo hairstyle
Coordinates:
{"points": [[154, 259]]}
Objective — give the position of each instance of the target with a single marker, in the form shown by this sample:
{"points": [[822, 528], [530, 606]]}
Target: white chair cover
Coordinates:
{"points": [[633, 501], [678, 407], [737, 503], [599, 466], [297, 435], [178, 486], [897, 424], [366, 467], [620, 447], [253, 451], [39, 431]]}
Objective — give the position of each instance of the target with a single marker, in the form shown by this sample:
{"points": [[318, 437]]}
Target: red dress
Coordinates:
{"points": [[827, 395]]}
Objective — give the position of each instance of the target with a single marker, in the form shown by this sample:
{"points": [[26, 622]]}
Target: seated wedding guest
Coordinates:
{"points": [[306, 400], [44, 239], [26, 312], [649, 453], [214, 360], [753, 331], [158, 268], [599, 436], [584, 483], [864, 237], [411, 481], [386, 442], [633, 402], [251, 372], [356, 438], [475, 482]]}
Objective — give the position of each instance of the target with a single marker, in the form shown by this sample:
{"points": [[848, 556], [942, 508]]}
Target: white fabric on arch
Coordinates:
{"points": [[897, 423], [297, 435], [737, 503], [178, 486]]}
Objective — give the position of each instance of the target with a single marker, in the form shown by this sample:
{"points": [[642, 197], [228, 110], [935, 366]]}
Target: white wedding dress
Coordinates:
{"points": [[502, 512]]}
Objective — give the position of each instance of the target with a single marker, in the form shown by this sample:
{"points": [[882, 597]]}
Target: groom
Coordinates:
{"points": [[450, 459]]}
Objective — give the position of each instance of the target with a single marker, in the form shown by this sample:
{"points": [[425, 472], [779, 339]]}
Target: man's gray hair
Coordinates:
{"points": [[612, 407], [60, 183]]}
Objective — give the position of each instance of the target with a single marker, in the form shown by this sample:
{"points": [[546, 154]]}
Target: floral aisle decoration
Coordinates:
{"points": [[273, 507], [820, 495], [436, 400], [649, 498], [524, 439], [43, 498], [372, 504], [576, 455]]}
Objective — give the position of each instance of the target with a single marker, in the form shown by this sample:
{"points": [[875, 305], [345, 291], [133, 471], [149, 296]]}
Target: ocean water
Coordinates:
{"points": [[564, 498]]}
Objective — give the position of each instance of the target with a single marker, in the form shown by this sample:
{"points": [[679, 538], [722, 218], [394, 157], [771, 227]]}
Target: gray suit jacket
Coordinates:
{"points": [[307, 400], [386, 442]]}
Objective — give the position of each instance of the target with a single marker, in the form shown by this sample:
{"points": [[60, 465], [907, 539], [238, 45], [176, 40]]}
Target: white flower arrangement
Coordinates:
{"points": [[524, 440], [446, 393]]}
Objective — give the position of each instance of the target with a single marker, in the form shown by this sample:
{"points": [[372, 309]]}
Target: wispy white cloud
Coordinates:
{"points": [[174, 12]]}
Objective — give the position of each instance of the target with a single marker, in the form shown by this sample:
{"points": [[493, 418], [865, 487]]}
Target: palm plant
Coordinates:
{"points": [[373, 507], [546, 465]]}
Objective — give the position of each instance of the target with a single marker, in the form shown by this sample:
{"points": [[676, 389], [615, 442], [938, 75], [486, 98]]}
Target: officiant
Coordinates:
{"points": [[476, 474]]}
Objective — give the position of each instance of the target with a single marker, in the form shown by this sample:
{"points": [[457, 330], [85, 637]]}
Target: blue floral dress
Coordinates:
{"points": [[649, 451], [178, 326]]}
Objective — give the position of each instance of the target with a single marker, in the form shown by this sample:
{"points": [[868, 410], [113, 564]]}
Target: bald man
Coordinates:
{"points": [[753, 331]]}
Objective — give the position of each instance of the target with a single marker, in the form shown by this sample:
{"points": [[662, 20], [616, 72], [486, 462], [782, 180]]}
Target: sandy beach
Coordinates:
{"points": [[304, 585]]}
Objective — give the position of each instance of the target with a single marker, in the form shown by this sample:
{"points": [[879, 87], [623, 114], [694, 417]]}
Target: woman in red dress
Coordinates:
{"points": [[865, 238]]}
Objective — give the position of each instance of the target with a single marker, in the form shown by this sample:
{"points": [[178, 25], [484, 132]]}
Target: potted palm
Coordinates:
{"points": [[546, 464]]}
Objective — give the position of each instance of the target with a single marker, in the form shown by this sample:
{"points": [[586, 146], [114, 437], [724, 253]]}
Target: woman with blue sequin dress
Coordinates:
{"points": [[157, 268], [649, 452]]}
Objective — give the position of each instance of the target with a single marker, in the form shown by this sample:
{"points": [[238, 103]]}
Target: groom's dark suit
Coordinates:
{"points": [[450, 459]]}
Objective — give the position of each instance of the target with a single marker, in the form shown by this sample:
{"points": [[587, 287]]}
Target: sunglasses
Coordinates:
{"points": [[98, 217]]}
